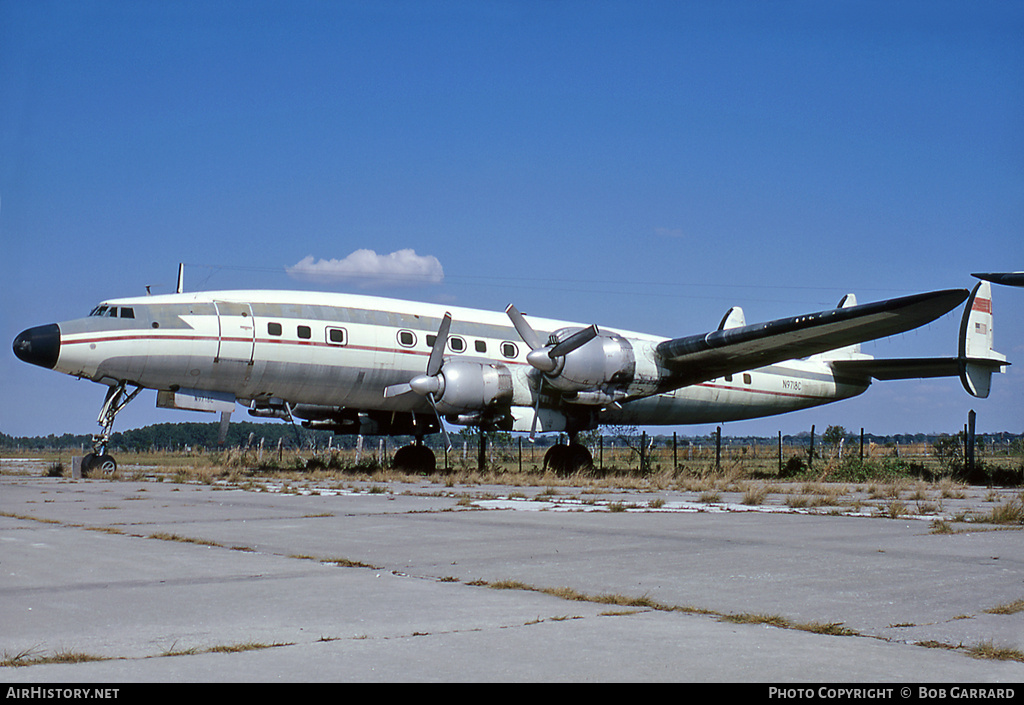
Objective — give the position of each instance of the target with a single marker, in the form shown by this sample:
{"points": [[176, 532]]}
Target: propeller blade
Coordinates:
{"points": [[397, 390], [440, 421], [527, 333], [536, 413], [576, 340], [437, 352]]}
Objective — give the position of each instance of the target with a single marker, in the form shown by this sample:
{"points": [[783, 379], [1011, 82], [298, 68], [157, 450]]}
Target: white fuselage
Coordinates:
{"points": [[341, 351]]}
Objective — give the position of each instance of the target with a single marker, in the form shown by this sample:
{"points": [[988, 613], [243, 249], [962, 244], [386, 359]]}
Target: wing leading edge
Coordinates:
{"points": [[698, 358]]}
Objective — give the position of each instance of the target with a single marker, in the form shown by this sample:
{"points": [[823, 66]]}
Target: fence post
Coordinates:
{"points": [[810, 455], [970, 442], [718, 448]]}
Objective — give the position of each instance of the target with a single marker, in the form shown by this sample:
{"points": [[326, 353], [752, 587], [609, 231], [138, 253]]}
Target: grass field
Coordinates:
{"points": [[914, 484]]}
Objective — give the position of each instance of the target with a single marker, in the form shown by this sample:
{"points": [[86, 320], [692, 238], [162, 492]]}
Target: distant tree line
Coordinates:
{"points": [[192, 435], [176, 437]]}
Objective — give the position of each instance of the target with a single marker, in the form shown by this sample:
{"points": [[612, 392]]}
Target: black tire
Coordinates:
{"points": [[415, 459], [566, 460], [100, 464]]}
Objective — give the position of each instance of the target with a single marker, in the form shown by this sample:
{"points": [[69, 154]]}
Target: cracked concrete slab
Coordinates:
{"points": [[166, 581]]}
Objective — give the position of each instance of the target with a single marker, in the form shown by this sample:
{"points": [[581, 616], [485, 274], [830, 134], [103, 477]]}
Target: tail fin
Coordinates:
{"points": [[977, 358]]}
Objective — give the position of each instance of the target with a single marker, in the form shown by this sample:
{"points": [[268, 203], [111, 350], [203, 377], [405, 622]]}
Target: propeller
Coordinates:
{"points": [[430, 384], [544, 357]]}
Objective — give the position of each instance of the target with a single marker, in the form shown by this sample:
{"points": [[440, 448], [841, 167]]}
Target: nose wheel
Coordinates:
{"points": [[100, 462]]}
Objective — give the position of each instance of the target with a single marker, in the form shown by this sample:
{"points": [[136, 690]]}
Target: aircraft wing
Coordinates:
{"points": [[698, 358]]}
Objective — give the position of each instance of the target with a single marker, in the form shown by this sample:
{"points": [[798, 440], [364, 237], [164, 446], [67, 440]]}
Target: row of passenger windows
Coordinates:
{"points": [[405, 338]]}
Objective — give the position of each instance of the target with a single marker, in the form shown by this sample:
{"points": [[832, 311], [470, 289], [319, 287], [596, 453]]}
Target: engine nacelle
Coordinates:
{"points": [[470, 386], [607, 360]]}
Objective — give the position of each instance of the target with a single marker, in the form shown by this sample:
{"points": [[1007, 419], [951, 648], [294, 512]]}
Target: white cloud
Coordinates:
{"points": [[367, 268]]}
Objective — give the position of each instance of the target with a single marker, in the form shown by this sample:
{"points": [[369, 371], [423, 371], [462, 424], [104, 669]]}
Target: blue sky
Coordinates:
{"points": [[642, 165]]}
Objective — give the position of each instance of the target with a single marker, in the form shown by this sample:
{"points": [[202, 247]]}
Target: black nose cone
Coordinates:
{"points": [[39, 345]]}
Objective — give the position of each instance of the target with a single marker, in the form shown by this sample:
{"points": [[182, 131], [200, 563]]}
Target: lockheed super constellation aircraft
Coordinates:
{"points": [[367, 365]]}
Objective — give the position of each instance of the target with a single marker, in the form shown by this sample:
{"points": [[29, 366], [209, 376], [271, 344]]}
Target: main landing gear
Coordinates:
{"points": [[415, 458], [560, 459], [98, 459], [567, 459]]}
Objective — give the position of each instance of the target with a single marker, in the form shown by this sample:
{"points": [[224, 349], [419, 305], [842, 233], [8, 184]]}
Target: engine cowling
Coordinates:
{"points": [[469, 386], [607, 360]]}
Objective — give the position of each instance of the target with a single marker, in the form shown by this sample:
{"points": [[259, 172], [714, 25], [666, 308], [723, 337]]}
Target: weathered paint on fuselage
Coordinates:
{"points": [[342, 350]]}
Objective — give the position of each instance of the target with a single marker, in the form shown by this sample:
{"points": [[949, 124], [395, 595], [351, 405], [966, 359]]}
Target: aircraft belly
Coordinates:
{"points": [[770, 391]]}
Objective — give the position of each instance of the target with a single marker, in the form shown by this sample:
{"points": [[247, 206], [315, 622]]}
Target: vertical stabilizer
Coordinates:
{"points": [[977, 358]]}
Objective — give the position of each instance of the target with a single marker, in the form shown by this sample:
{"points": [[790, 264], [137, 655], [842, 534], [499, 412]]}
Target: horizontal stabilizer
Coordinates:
{"points": [[1008, 278], [974, 365], [698, 358], [902, 368]]}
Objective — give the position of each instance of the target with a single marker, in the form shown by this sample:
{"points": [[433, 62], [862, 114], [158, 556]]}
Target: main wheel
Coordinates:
{"points": [[415, 459], [565, 460]]}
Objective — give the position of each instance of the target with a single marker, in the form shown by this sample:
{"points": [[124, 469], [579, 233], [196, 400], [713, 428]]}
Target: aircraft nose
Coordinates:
{"points": [[39, 345]]}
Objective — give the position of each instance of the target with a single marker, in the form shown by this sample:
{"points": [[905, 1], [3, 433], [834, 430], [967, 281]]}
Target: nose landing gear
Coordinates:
{"points": [[98, 459]]}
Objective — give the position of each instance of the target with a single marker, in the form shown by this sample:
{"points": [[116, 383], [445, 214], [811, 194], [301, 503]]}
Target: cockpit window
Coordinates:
{"points": [[111, 311]]}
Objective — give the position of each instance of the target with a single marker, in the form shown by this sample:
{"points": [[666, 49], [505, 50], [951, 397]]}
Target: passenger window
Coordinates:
{"points": [[305, 333], [481, 346], [457, 344], [406, 338], [509, 350], [337, 336], [274, 328], [431, 339]]}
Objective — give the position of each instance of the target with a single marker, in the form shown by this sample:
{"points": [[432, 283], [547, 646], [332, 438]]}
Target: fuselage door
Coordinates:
{"points": [[236, 332]]}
